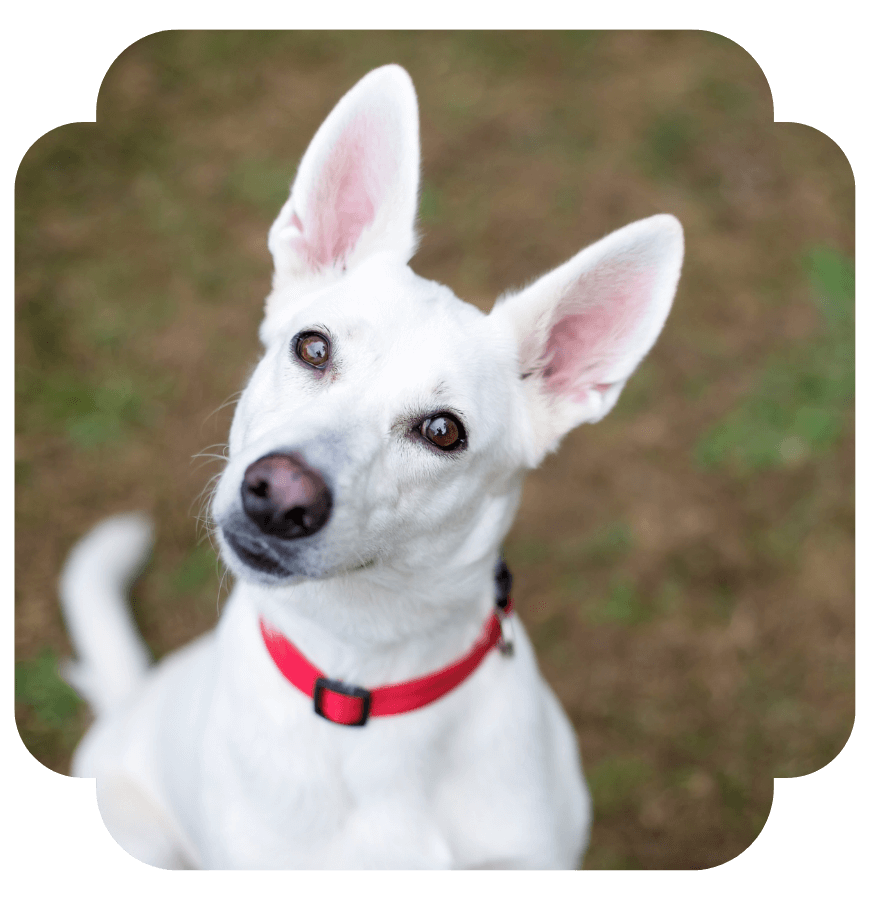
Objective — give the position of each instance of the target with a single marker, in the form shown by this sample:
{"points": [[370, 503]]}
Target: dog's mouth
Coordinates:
{"points": [[257, 558], [254, 556]]}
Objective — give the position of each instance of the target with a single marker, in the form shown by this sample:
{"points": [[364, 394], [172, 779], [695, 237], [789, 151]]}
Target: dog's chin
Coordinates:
{"points": [[262, 566], [251, 562]]}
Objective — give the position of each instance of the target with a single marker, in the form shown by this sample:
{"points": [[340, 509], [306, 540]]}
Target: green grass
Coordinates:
{"points": [[803, 399], [39, 686]]}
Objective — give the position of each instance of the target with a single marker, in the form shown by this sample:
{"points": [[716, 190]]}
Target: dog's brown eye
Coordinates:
{"points": [[313, 349], [443, 431]]}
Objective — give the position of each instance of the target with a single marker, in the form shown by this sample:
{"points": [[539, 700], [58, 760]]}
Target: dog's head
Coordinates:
{"points": [[389, 422]]}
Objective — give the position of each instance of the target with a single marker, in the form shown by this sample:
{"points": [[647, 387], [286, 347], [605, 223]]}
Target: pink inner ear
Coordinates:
{"points": [[345, 201], [585, 345]]}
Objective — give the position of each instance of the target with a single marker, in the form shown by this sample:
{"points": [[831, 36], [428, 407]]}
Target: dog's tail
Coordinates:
{"points": [[112, 657]]}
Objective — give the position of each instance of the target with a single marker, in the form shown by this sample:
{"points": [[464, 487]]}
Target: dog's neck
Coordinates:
{"points": [[380, 625]]}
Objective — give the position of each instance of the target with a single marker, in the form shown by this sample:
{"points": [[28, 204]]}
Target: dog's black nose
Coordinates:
{"points": [[284, 497]]}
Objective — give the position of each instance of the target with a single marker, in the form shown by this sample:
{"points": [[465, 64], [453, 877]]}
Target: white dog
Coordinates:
{"points": [[375, 464]]}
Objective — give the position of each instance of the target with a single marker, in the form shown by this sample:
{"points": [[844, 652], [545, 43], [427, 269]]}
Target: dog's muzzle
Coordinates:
{"points": [[283, 500]]}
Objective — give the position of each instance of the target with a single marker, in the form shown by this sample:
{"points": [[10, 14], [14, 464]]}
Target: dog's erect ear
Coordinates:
{"points": [[355, 192], [582, 329]]}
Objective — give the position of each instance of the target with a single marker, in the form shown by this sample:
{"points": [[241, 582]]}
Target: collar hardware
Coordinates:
{"points": [[344, 704]]}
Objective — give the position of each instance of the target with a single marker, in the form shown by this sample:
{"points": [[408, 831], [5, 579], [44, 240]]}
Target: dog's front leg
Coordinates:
{"points": [[137, 824]]}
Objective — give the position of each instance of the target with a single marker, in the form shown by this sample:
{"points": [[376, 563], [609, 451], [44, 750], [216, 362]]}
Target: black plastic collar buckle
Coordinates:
{"points": [[345, 690]]}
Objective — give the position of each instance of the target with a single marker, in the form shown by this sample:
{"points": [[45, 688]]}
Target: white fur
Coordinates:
{"points": [[215, 760]]}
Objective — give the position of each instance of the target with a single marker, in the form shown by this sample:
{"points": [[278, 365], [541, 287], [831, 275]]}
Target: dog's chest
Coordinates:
{"points": [[297, 791], [281, 787], [461, 783]]}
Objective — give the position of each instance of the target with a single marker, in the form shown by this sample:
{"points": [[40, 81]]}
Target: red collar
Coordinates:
{"points": [[347, 704]]}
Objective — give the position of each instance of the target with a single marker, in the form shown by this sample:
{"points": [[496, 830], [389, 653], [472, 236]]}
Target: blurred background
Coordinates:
{"points": [[685, 568]]}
